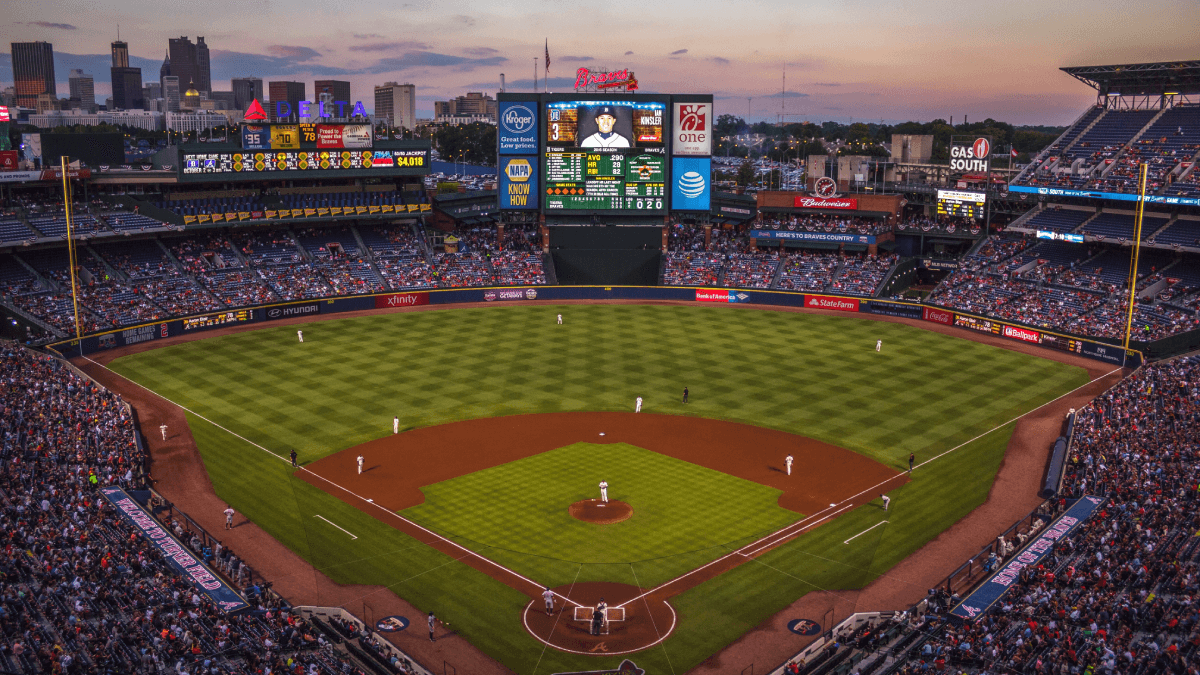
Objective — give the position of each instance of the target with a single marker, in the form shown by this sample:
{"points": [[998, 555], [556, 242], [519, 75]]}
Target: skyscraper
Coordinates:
{"points": [[126, 81], [190, 62], [245, 90], [203, 67], [397, 103], [172, 96], [120, 54], [33, 71], [290, 92], [83, 89], [337, 91]]}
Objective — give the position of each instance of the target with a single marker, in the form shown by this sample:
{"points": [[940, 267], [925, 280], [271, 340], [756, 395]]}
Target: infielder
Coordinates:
{"points": [[912, 457], [229, 517], [396, 424], [886, 500], [604, 491], [300, 334], [360, 462], [548, 596], [788, 460], [163, 429], [292, 454], [639, 405], [685, 393], [560, 319], [878, 345], [432, 622]]}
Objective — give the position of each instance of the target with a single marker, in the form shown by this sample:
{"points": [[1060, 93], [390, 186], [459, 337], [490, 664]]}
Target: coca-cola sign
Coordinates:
{"points": [[807, 202], [1022, 334], [937, 316]]}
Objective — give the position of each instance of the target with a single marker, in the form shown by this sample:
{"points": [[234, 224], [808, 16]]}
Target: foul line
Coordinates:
{"points": [[335, 525], [864, 532]]}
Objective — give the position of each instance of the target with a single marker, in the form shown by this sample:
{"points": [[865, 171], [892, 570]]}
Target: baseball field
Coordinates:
{"points": [[501, 412]]}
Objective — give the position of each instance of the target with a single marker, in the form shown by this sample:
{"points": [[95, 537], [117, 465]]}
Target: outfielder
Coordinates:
{"points": [[300, 334], [229, 517], [878, 345], [788, 461], [548, 596], [163, 429], [560, 319], [396, 424], [639, 405], [604, 491], [685, 394], [360, 463]]}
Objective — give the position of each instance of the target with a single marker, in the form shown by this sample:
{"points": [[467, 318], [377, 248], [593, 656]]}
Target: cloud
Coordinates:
{"points": [[556, 84], [368, 36], [293, 53], [425, 59], [575, 59], [720, 61], [628, 53], [388, 46], [464, 20], [229, 64], [778, 94], [827, 84], [480, 51], [47, 24], [678, 52]]}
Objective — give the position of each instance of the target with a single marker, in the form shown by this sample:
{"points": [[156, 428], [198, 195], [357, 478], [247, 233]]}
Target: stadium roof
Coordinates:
{"points": [[1141, 79]]}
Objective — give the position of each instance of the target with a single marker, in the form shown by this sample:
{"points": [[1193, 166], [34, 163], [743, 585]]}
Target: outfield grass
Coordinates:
{"points": [[818, 376]]}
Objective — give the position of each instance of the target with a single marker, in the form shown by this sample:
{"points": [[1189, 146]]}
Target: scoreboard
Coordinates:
{"points": [[307, 136], [957, 203], [605, 155]]}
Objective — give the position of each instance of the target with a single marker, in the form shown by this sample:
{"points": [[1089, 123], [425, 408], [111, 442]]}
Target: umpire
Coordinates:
{"points": [[597, 621]]}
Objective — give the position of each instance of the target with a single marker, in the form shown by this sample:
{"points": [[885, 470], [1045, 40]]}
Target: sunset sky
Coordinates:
{"points": [[851, 59]]}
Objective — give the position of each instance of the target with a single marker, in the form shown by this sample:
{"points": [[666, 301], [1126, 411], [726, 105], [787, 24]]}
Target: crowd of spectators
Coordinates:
{"points": [[862, 275], [809, 271], [85, 592], [692, 268], [750, 270], [827, 223]]}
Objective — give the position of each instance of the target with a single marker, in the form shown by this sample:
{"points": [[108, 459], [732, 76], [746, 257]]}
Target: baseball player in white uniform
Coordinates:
{"points": [[788, 461], [604, 491], [606, 117], [639, 405], [229, 517], [560, 319], [300, 334], [548, 596], [163, 429], [396, 424], [878, 345], [886, 500], [360, 462]]}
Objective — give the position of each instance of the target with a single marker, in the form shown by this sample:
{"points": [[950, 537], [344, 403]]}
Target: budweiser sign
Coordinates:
{"points": [[937, 316], [826, 302], [805, 202], [1022, 334]]}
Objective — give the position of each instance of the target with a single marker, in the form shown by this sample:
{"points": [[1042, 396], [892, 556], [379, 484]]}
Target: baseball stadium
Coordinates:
{"points": [[604, 416]]}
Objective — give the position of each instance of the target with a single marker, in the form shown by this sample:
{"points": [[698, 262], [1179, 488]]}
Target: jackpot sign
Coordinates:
{"points": [[975, 157], [692, 129]]}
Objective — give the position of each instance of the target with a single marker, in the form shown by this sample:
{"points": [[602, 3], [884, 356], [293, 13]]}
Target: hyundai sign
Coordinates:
{"points": [[517, 128], [690, 183]]}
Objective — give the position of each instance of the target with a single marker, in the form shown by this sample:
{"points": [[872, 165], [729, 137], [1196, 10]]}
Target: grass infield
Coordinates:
{"points": [[813, 375]]}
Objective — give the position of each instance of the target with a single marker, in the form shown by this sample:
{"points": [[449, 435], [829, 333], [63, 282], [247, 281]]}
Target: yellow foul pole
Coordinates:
{"points": [[1137, 249], [70, 246]]}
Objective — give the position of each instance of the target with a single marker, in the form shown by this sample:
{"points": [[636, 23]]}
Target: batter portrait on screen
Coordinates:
{"points": [[613, 127]]}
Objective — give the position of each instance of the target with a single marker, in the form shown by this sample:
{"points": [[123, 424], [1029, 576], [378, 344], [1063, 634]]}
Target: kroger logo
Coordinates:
{"points": [[691, 184], [517, 120]]}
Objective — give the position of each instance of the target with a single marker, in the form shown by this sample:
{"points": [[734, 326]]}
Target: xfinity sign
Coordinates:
{"points": [[517, 128], [971, 158]]}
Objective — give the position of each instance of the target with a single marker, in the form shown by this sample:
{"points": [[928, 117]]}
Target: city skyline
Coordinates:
{"points": [[923, 61]]}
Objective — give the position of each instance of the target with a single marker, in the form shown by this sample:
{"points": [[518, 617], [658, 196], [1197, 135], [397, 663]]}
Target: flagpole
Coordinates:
{"points": [[1137, 248]]}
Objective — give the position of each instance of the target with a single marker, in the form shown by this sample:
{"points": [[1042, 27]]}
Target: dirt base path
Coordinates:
{"points": [[181, 477]]}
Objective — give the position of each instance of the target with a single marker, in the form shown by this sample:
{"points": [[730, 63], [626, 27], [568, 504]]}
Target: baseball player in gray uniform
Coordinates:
{"points": [[548, 596], [604, 491]]}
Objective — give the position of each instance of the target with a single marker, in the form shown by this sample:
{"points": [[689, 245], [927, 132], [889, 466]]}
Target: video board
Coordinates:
{"points": [[290, 161], [306, 136], [605, 154], [960, 204]]}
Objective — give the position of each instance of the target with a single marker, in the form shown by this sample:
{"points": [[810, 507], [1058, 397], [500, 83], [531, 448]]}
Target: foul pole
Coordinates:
{"points": [[71, 249], [1137, 249]]}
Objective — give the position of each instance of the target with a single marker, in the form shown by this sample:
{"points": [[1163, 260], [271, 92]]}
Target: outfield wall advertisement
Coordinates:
{"points": [[831, 302], [402, 299]]}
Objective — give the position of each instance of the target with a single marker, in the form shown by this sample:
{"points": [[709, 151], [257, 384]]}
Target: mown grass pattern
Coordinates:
{"points": [[817, 376]]}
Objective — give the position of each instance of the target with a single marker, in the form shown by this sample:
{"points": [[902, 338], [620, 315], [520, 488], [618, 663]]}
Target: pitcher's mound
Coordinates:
{"points": [[603, 513]]}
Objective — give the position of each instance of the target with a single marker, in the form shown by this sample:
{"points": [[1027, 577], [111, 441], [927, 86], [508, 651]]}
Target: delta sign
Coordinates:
{"points": [[306, 110]]}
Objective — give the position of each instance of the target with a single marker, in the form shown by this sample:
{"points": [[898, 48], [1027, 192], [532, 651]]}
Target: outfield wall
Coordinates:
{"points": [[1091, 348]]}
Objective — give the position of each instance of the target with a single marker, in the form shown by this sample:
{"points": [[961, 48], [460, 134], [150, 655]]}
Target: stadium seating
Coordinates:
{"points": [[693, 268], [1058, 220], [746, 270], [400, 257], [14, 230], [124, 221]]}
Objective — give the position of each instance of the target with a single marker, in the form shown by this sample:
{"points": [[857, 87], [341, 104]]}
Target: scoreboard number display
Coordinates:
{"points": [[957, 203], [604, 155]]}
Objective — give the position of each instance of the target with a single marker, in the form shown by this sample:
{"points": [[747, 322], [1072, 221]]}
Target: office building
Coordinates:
{"points": [[246, 90], [120, 54], [338, 91], [172, 96], [83, 90], [291, 93], [151, 90], [127, 89], [33, 71], [474, 107], [190, 62], [397, 103], [141, 119]]}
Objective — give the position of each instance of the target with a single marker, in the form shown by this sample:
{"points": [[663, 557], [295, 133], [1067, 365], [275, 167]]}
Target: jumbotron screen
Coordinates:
{"points": [[605, 155], [957, 203]]}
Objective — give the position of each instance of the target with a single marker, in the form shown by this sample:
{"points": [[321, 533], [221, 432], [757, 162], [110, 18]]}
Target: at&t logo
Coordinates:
{"points": [[691, 184], [517, 119]]}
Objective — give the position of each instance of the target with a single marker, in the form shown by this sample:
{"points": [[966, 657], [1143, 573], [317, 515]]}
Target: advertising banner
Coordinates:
{"points": [[810, 202], [1022, 334], [285, 137], [203, 580], [937, 315], [8, 160], [1060, 236], [829, 302], [990, 591], [836, 237], [329, 136], [712, 295], [402, 299], [1117, 196], [511, 294], [218, 319], [890, 309], [692, 129], [256, 137], [931, 264], [289, 311], [973, 158], [1108, 353], [518, 183], [517, 131], [981, 325], [357, 136], [691, 187]]}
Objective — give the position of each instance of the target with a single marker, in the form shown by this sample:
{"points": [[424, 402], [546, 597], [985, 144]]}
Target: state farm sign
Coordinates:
{"points": [[826, 302], [937, 316], [692, 129], [401, 300], [806, 202], [1022, 334]]}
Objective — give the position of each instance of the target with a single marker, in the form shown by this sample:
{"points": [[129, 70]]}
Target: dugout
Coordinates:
{"points": [[604, 256]]}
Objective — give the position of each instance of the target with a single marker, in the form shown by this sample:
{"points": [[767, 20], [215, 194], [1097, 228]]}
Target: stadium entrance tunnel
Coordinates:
{"points": [[634, 620]]}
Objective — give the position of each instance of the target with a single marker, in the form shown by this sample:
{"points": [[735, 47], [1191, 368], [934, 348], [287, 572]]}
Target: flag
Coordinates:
{"points": [[1012, 152], [547, 60]]}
